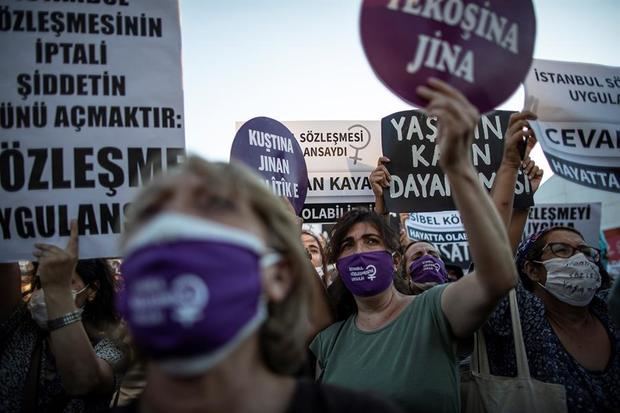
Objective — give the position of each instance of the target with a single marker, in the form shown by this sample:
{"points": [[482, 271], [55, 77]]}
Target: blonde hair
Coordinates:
{"points": [[283, 336]]}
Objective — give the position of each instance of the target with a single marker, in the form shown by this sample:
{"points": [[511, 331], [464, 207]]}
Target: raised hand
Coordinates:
{"points": [[56, 265], [517, 139], [533, 172], [380, 177], [456, 120]]}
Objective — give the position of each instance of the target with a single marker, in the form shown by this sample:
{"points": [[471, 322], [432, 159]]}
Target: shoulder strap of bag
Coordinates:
{"points": [[479, 357], [523, 369]]}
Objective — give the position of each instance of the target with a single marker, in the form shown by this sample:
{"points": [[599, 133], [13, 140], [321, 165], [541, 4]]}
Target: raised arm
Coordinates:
{"points": [[519, 216], [515, 141], [379, 180], [467, 302], [80, 370]]}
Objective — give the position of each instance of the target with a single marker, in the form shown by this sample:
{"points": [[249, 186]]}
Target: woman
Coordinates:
{"points": [[568, 335], [569, 338], [422, 267], [314, 247], [60, 351], [217, 289], [404, 346]]}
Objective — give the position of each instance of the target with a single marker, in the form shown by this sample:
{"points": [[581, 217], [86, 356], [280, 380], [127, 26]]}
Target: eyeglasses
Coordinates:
{"points": [[559, 249]]}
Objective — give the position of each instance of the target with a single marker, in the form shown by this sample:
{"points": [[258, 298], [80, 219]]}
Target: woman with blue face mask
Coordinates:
{"points": [[403, 346], [568, 334], [217, 295]]}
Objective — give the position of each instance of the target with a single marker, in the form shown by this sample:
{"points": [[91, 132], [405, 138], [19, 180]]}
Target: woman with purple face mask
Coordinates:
{"points": [[422, 267], [217, 295], [404, 346]]}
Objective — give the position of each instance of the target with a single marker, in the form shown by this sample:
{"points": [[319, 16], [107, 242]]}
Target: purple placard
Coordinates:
{"points": [[270, 149], [482, 48]]}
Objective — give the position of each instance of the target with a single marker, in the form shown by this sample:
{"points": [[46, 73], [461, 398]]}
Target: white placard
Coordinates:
{"points": [[578, 126], [91, 107]]}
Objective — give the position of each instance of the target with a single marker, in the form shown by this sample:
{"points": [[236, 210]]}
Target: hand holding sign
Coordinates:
{"points": [[517, 139], [56, 265], [456, 119], [379, 179]]}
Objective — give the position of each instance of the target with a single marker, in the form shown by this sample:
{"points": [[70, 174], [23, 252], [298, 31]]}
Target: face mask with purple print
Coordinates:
{"points": [[367, 273], [192, 291], [427, 269]]}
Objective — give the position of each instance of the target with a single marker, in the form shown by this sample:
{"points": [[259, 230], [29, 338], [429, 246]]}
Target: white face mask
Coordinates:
{"points": [[572, 280], [38, 307]]}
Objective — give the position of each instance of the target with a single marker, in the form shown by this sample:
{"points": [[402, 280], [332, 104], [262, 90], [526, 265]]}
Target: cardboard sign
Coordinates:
{"points": [[578, 126], [340, 155], [484, 49], [585, 218], [91, 108], [270, 149], [418, 183], [445, 231]]}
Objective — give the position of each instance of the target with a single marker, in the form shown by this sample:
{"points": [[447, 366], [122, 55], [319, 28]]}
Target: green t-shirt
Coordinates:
{"points": [[411, 361]]}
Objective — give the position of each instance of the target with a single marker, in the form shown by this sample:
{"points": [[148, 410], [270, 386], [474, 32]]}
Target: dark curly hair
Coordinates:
{"points": [[342, 300]]}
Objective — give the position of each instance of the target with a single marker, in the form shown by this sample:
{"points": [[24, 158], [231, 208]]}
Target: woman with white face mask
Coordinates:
{"points": [[568, 335], [60, 350]]}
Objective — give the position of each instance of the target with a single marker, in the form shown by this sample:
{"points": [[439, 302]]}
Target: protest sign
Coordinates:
{"points": [[91, 108], [584, 217], [612, 237], [418, 183], [484, 49], [271, 150], [340, 155], [578, 126], [445, 231]]}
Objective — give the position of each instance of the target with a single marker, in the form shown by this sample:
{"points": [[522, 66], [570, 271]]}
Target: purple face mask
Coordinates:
{"points": [[367, 273], [192, 291], [428, 268]]}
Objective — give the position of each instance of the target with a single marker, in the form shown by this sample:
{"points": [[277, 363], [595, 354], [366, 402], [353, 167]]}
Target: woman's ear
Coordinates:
{"points": [[535, 272], [92, 290], [277, 281]]}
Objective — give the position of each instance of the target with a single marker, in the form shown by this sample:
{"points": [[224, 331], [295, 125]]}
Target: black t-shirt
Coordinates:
{"points": [[313, 397]]}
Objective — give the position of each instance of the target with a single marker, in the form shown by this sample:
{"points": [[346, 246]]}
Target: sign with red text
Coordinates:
{"points": [[91, 107], [482, 48], [578, 126]]}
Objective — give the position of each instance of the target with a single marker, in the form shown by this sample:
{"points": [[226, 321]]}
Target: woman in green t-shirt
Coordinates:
{"points": [[400, 346]]}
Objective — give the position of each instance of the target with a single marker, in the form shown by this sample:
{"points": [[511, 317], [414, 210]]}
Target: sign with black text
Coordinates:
{"points": [[340, 155], [91, 108], [578, 126], [418, 183], [445, 231], [585, 218]]}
